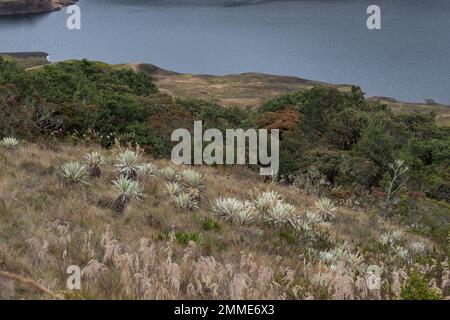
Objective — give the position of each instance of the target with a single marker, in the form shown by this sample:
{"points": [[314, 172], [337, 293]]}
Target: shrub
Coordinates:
{"points": [[416, 288], [313, 182]]}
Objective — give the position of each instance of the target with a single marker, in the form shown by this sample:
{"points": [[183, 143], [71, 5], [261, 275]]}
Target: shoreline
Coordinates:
{"points": [[246, 90], [14, 8]]}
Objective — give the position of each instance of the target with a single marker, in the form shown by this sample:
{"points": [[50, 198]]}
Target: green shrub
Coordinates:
{"points": [[416, 288]]}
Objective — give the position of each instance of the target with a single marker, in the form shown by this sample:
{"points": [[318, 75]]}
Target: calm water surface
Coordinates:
{"points": [[408, 59]]}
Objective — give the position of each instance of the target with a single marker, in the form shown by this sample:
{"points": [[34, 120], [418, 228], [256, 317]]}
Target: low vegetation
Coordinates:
{"points": [[244, 239], [85, 180]]}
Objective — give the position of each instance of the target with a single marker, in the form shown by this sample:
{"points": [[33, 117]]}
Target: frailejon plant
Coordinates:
{"points": [[342, 256], [246, 215], [266, 201], [194, 181], [391, 238], [305, 223], [128, 190], [148, 170], [9, 143], [173, 189], [94, 160], [185, 200], [234, 210], [280, 213], [397, 180], [417, 247], [127, 164], [74, 173], [227, 207], [169, 174], [326, 209]]}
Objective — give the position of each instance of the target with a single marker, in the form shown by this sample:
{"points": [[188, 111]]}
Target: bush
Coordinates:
{"points": [[416, 288]]}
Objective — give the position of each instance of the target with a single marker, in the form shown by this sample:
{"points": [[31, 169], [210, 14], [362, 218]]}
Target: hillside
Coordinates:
{"points": [[15, 7], [248, 90], [359, 186], [158, 250], [253, 89]]}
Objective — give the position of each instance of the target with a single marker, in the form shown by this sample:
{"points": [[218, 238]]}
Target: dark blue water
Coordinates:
{"points": [[408, 59]]}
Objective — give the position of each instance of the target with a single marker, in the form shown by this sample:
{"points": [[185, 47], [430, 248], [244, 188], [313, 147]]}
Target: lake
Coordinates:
{"points": [[408, 59]]}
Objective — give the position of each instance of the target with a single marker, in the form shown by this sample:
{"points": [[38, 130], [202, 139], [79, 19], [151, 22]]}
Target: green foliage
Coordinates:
{"points": [[416, 288], [13, 75], [352, 142], [88, 82], [288, 235], [376, 144], [215, 116], [183, 238], [344, 128], [209, 224]]}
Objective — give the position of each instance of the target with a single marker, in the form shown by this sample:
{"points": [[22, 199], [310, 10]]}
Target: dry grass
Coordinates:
{"points": [[47, 225]]}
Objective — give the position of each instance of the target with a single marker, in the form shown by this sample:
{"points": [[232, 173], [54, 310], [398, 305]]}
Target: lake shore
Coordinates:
{"points": [[19, 7], [246, 90]]}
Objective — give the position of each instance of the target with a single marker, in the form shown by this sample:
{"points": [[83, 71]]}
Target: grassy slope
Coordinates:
{"points": [[27, 59], [46, 226]]}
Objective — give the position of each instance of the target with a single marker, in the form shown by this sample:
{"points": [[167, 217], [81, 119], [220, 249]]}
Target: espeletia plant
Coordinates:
{"points": [[326, 209], [169, 174], [9, 143], [234, 210], [185, 200], [246, 215], [266, 201], [226, 207], [148, 170], [281, 213], [194, 181], [74, 173], [173, 188], [127, 164], [128, 190], [180, 196], [94, 160]]}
